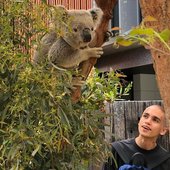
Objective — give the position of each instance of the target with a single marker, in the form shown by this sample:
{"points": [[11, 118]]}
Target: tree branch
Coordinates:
{"points": [[85, 67]]}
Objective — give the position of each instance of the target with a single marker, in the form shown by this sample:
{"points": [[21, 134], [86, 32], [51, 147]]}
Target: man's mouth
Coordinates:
{"points": [[146, 127]]}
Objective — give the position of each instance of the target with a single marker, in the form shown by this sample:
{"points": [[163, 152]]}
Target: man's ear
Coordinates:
{"points": [[164, 131]]}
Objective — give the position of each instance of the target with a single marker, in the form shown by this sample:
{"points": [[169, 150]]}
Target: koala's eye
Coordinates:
{"points": [[92, 28], [75, 29]]}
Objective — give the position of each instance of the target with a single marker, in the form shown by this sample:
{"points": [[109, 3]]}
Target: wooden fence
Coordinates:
{"points": [[69, 4], [125, 120]]}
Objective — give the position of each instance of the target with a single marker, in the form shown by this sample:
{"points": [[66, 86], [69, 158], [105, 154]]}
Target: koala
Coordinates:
{"points": [[70, 49]]}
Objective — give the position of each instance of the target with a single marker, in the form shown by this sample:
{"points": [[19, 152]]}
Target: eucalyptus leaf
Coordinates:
{"points": [[36, 150], [141, 31], [124, 42], [165, 35]]}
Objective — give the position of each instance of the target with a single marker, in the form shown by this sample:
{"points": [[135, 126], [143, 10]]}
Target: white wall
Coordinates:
{"points": [[145, 87]]}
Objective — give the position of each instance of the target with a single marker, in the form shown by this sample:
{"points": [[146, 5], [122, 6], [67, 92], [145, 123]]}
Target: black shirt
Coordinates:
{"points": [[157, 158]]}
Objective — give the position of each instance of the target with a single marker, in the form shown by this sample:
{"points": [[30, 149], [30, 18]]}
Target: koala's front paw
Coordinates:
{"points": [[97, 52]]}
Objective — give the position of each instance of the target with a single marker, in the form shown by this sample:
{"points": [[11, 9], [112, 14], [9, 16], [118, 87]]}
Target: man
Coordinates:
{"points": [[151, 125]]}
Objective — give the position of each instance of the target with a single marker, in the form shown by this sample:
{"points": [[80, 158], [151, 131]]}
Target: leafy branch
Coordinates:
{"points": [[145, 36]]}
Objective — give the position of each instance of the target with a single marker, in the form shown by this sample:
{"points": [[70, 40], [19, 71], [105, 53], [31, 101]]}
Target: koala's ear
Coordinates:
{"points": [[62, 9], [59, 15], [59, 10], [96, 14]]}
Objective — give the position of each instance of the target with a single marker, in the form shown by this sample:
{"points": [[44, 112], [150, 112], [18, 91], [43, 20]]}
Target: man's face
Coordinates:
{"points": [[152, 123]]}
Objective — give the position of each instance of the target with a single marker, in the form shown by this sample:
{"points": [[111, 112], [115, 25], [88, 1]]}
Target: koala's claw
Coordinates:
{"points": [[77, 81], [98, 52], [108, 34]]}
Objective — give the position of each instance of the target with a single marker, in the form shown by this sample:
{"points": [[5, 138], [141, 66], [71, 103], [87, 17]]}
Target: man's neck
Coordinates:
{"points": [[145, 143]]}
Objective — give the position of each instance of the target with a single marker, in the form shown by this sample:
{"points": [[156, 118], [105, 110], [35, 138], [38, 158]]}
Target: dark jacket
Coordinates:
{"points": [[157, 158]]}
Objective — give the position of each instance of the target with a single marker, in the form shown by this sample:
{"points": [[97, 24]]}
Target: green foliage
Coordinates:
{"points": [[40, 127], [145, 36], [106, 87]]}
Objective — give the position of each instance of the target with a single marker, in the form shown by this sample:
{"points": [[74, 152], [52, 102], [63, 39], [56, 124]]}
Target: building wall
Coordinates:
{"points": [[123, 59], [145, 87], [127, 15]]}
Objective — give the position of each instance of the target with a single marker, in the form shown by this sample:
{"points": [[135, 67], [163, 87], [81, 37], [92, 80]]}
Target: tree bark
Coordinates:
{"points": [[160, 10], [85, 67]]}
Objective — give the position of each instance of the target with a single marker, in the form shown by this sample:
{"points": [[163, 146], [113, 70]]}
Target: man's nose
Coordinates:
{"points": [[148, 121]]}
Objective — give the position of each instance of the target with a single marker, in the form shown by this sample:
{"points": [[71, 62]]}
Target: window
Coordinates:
{"points": [[126, 14]]}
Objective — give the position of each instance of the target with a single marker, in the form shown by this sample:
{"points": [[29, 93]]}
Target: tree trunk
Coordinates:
{"points": [[106, 6], [160, 10]]}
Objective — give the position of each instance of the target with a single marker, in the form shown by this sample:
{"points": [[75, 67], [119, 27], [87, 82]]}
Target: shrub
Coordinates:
{"points": [[40, 127]]}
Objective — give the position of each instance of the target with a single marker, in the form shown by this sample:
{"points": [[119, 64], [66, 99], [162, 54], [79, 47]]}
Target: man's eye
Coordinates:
{"points": [[145, 116], [156, 120]]}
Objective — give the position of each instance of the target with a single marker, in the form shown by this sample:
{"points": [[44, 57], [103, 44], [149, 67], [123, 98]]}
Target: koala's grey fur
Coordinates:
{"points": [[72, 48]]}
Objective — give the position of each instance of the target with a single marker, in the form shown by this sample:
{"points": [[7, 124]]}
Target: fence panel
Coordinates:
{"points": [[69, 4]]}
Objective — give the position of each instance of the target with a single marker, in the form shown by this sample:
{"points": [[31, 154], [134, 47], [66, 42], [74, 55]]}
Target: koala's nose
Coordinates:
{"points": [[86, 35]]}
